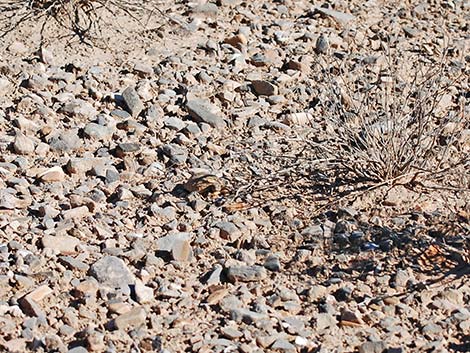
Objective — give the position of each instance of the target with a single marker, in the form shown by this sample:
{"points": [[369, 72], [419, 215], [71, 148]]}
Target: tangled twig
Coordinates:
{"points": [[83, 19]]}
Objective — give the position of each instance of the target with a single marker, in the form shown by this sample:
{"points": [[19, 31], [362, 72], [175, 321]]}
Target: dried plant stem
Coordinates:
{"points": [[81, 18], [390, 125]]}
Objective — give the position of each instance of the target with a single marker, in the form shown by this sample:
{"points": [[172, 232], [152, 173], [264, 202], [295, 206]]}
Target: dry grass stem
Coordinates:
{"points": [[80, 18], [386, 124]]}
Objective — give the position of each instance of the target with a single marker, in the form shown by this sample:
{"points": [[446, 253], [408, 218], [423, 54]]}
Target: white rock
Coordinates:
{"points": [[62, 244], [143, 293], [52, 175], [301, 119], [23, 144], [5, 86]]}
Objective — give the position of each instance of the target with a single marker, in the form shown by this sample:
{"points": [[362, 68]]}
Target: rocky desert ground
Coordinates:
{"points": [[235, 176]]}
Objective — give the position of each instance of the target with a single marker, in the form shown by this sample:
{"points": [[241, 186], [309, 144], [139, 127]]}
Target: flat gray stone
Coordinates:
{"points": [[221, 342], [431, 329], [73, 263], [174, 123], [272, 263], [246, 273], [228, 230], [65, 141], [325, 320], [230, 303], [5, 86], [120, 114], [10, 201], [178, 245], [231, 333], [78, 165], [182, 251], [313, 231], [80, 108], [63, 244], [165, 214], [177, 154], [127, 149], [202, 111], [143, 69], [206, 9], [339, 16], [372, 347], [317, 292], [143, 294], [112, 271], [99, 132], [23, 144], [283, 346], [245, 315], [132, 101], [167, 242]]}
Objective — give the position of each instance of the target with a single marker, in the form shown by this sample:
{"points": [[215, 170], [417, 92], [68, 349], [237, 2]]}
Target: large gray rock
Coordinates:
{"points": [[273, 263], [65, 141], [174, 123], [132, 319], [23, 144], [62, 244], [78, 165], [112, 271], [283, 346], [9, 201], [246, 273], [342, 17], [246, 315], [132, 101], [178, 244], [5, 86], [79, 108], [167, 242], [228, 230], [177, 154], [372, 347], [208, 9], [99, 132], [325, 321], [202, 111]]}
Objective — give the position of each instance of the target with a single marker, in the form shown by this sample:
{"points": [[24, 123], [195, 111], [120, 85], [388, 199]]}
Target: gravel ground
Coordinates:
{"points": [[178, 189]]}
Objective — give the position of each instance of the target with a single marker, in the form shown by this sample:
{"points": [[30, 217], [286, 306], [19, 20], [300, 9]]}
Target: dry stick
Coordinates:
{"points": [[338, 110], [400, 162], [361, 192], [373, 187], [13, 26], [81, 18], [251, 185]]}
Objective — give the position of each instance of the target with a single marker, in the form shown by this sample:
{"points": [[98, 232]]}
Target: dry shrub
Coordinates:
{"points": [[84, 19], [395, 119]]}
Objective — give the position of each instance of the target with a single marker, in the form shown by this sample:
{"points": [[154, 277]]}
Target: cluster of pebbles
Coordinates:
{"points": [[146, 203]]}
